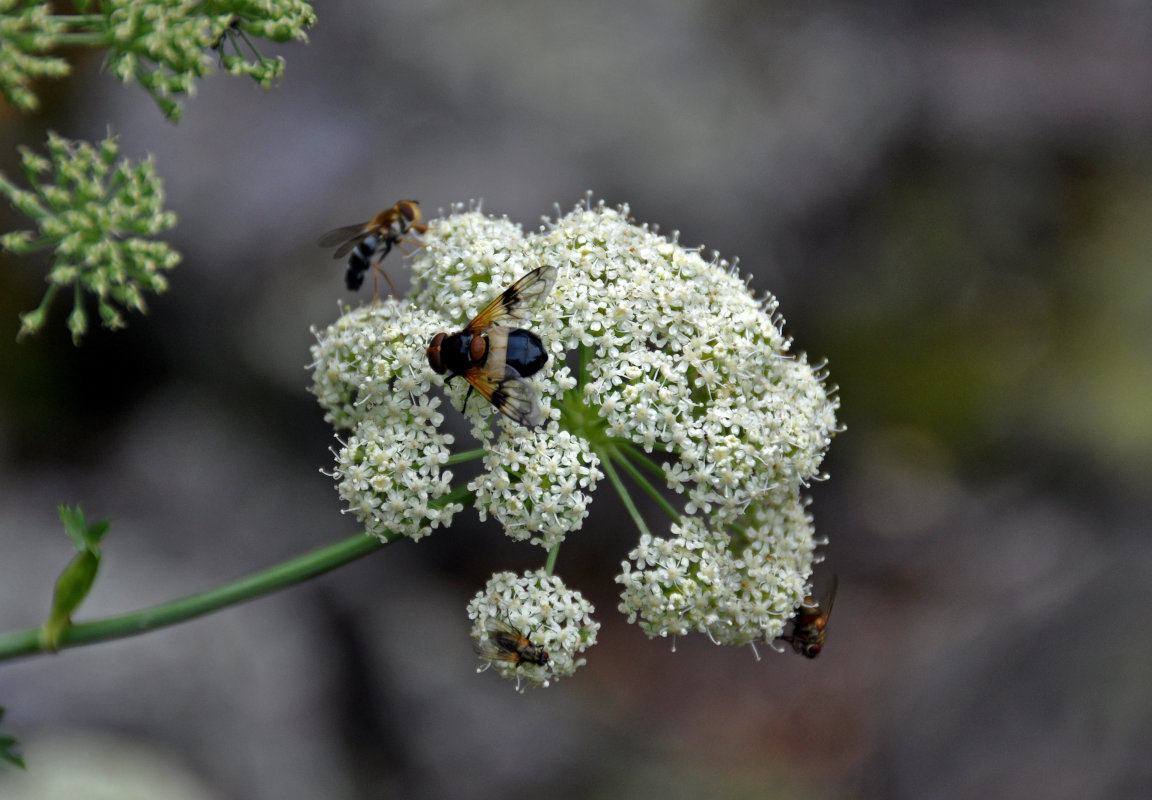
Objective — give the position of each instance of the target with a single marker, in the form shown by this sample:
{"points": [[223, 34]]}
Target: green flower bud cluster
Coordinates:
{"points": [[27, 30], [94, 214], [162, 44]]}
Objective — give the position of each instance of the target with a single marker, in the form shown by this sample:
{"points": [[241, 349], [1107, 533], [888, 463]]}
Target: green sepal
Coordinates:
{"points": [[78, 577], [83, 535], [72, 587], [9, 758]]}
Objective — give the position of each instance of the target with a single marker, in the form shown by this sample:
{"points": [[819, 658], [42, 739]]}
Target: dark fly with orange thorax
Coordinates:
{"points": [[494, 358]]}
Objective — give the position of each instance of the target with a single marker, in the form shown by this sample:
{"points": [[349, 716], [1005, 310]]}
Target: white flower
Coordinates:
{"points": [[737, 587], [538, 486], [552, 617], [664, 372], [390, 471]]}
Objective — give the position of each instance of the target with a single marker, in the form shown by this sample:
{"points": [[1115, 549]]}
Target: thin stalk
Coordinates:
{"points": [[639, 457], [648, 488], [27, 642], [467, 455], [550, 564], [606, 462], [79, 38], [17, 644]]}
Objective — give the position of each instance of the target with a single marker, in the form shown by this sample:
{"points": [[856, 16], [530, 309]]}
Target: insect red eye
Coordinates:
{"points": [[408, 210], [434, 353], [477, 348]]}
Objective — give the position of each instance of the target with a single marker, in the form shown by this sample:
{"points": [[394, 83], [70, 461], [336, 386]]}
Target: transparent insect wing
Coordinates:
{"points": [[347, 238], [514, 302], [508, 392], [505, 643]]}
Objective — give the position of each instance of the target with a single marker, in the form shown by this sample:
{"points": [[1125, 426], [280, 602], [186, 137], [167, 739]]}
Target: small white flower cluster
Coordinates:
{"points": [[737, 586], [372, 381], [538, 486], [544, 611]]}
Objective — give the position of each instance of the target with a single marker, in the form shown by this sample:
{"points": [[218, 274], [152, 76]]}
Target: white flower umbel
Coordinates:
{"points": [[537, 485], [664, 371], [390, 472], [539, 607]]}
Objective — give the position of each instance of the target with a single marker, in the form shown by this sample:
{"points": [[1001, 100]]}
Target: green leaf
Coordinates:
{"points": [[9, 758], [72, 587], [83, 536]]}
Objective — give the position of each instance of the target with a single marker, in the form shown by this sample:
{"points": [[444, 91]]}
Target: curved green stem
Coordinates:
{"points": [[28, 642]]}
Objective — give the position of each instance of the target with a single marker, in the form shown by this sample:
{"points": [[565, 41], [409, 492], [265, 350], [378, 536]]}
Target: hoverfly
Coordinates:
{"points": [[505, 643], [495, 359], [370, 241], [808, 628]]}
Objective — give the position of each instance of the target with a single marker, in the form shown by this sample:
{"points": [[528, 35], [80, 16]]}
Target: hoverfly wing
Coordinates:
{"points": [[505, 643], [502, 386], [828, 598], [347, 238], [811, 623], [502, 643], [515, 300], [491, 649]]}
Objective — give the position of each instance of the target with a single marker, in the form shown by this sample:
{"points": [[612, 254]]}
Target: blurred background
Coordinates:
{"points": [[953, 204]]}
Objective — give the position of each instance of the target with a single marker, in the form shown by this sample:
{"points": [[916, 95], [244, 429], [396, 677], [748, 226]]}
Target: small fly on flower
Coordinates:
{"points": [[368, 242], [809, 626], [505, 643], [496, 359]]}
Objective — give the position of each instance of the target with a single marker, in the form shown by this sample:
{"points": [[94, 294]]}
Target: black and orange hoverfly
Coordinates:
{"points": [[495, 359], [368, 242]]}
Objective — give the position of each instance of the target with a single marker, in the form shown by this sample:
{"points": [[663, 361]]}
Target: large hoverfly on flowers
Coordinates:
{"points": [[495, 359], [369, 242]]}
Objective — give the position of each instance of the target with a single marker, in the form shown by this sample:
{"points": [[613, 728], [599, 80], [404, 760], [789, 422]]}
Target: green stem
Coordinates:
{"points": [[78, 20], [550, 564], [98, 38], [467, 455], [27, 642], [627, 465], [606, 462], [639, 457]]}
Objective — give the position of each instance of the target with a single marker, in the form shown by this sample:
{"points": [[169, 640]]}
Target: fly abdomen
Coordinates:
{"points": [[526, 353]]}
